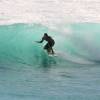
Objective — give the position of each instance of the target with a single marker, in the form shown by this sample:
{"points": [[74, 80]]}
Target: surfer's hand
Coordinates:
{"points": [[37, 41]]}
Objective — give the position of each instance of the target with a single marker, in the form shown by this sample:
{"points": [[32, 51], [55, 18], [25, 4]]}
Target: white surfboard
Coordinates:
{"points": [[52, 55]]}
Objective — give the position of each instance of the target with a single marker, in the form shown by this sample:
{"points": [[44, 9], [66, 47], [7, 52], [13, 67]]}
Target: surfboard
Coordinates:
{"points": [[52, 55]]}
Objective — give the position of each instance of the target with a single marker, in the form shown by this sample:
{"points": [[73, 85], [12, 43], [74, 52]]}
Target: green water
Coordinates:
{"points": [[28, 73]]}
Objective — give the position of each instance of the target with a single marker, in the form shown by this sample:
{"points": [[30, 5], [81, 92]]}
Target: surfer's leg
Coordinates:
{"points": [[47, 47], [52, 51], [50, 46]]}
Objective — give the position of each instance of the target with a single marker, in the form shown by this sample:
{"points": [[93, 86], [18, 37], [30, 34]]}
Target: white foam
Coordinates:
{"points": [[73, 58], [49, 12]]}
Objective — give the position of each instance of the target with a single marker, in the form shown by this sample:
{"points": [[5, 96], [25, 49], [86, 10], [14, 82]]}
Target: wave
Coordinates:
{"points": [[17, 45]]}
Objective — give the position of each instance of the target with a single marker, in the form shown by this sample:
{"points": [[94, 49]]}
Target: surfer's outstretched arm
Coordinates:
{"points": [[40, 41]]}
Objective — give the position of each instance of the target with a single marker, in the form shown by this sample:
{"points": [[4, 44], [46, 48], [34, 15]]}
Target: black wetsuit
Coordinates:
{"points": [[50, 41]]}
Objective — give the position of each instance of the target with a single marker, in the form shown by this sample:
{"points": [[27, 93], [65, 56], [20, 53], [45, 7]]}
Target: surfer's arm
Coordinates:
{"points": [[40, 41]]}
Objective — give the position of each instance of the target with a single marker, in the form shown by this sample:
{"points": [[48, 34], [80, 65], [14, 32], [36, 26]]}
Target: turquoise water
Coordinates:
{"points": [[28, 73]]}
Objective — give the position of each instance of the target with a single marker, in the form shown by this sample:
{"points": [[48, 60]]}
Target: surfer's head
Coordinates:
{"points": [[45, 34]]}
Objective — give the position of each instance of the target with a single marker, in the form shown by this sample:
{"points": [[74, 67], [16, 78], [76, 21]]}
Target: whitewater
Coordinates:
{"points": [[26, 70]]}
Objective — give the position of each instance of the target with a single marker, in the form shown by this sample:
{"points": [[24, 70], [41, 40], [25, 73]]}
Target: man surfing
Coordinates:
{"points": [[49, 45]]}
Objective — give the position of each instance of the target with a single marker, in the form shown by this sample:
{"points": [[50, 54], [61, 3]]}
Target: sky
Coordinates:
{"points": [[49, 12]]}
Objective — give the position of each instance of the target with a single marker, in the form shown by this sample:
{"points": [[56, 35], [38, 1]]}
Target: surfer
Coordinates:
{"points": [[50, 43]]}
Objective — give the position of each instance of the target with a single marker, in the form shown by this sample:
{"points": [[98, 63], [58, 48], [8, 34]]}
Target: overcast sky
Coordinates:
{"points": [[49, 11]]}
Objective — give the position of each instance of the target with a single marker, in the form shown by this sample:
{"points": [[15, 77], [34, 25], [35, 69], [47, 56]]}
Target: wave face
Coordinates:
{"points": [[27, 72], [78, 46]]}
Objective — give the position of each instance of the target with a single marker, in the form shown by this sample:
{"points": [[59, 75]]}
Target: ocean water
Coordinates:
{"points": [[28, 73]]}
